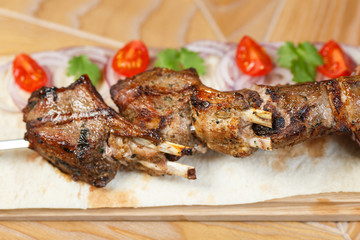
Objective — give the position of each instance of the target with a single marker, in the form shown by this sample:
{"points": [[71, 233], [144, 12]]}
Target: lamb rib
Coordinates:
{"points": [[78, 133], [238, 122]]}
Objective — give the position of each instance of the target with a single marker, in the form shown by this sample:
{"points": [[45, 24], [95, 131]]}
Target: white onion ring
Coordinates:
{"points": [[98, 52], [208, 47], [50, 58], [52, 62], [14, 91], [111, 77], [97, 55], [271, 50], [4, 67], [228, 69]]}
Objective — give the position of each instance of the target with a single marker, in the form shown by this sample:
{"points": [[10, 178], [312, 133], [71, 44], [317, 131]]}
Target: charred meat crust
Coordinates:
{"points": [[217, 118], [339, 110], [159, 100], [69, 139], [221, 119], [70, 127], [101, 110], [347, 105], [299, 112]]}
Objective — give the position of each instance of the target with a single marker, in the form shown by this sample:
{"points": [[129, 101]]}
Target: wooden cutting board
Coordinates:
{"points": [[318, 207], [274, 22]]}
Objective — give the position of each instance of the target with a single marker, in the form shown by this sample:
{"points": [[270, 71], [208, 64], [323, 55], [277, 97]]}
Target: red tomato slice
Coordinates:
{"points": [[28, 74], [132, 59], [252, 59], [336, 62]]}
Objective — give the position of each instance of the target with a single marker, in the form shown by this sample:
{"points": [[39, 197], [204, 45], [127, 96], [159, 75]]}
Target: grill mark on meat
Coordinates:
{"points": [[31, 104], [335, 94], [198, 104], [48, 92], [60, 119], [252, 97], [279, 122], [83, 143], [65, 146], [303, 113], [272, 91]]}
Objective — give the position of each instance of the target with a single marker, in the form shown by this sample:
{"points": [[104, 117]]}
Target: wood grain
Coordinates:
{"points": [[317, 207], [34, 25], [168, 230], [173, 23], [312, 21]]}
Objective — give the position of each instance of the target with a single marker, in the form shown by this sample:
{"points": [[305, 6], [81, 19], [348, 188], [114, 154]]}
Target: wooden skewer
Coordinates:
{"points": [[166, 147], [258, 116], [13, 144], [172, 168]]}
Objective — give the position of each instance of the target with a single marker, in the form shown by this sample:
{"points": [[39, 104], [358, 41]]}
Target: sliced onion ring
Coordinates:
{"points": [[111, 77], [14, 91]]}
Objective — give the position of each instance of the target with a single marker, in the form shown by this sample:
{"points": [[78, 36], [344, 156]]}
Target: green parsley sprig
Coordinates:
{"points": [[79, 65], [180, 59], [301, 60]]}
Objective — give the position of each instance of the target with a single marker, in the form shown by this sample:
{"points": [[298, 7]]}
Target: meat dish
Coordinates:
{"points": [[159, 100], [78, 133], [239, 122]]}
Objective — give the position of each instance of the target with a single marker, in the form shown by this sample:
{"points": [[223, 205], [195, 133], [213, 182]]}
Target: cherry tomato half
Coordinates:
{"points": [[132, 59], [336, 62], [28, 74], [252, 59]]}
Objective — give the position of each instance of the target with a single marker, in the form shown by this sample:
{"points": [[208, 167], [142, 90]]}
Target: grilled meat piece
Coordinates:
{"points": [[159, 100], [235, 123], [78, 133], [298, 112], [223, 120]]}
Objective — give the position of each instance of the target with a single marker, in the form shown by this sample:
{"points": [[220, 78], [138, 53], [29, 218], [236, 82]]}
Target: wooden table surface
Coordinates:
{"points": [[33, 25]]}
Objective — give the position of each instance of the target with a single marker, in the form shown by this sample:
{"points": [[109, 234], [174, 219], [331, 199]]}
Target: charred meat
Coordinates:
{"points": [[159, 100], [78, 133], [224, 120], [237, 122]]}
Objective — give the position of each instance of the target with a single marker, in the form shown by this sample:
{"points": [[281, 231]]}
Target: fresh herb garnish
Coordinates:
{"points": [[180, 59], [301, 60], [80, 65]]}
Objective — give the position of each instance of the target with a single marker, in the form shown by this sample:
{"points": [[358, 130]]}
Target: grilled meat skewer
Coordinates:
{"points": [[78, 133], [299, 112], [159, 100], [237, 123]]}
